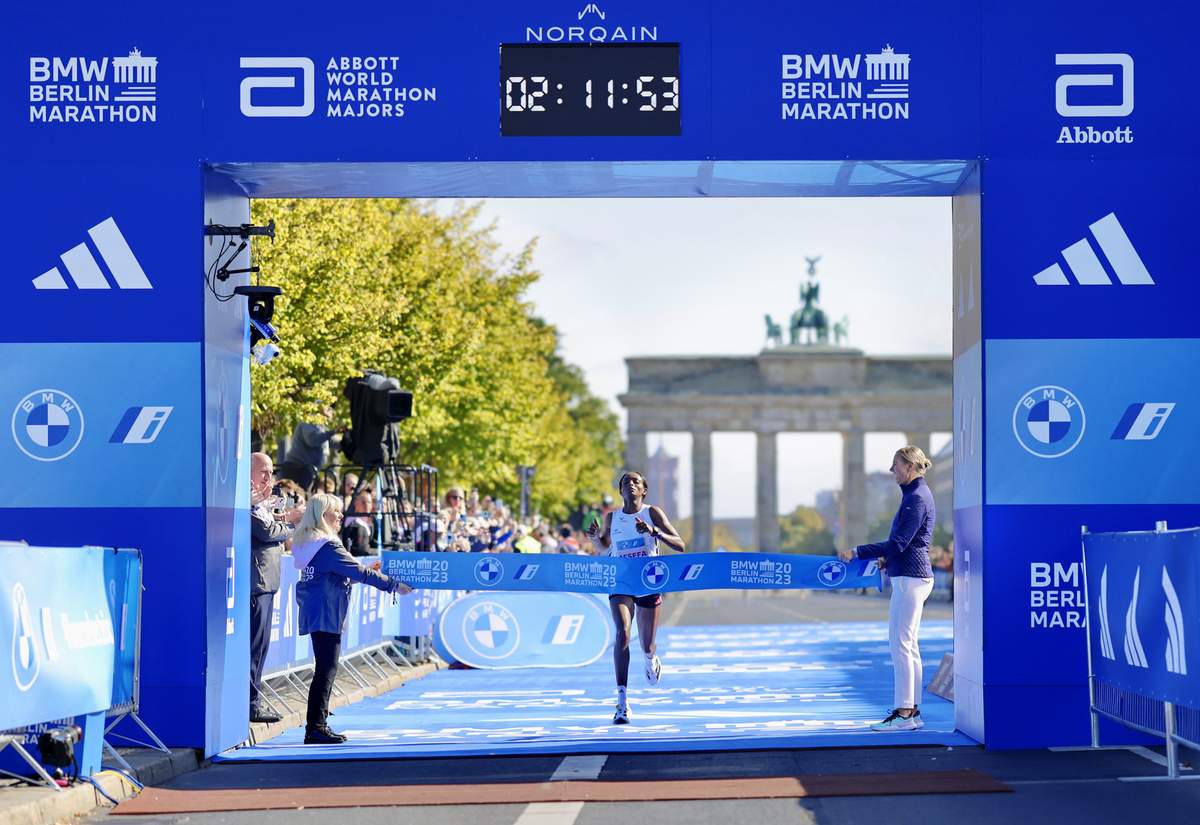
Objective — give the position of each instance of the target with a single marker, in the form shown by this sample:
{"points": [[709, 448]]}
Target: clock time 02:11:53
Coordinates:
{"points": [[646, 92]]}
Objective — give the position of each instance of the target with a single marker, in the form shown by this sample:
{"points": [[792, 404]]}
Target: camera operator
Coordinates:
{"points": [[271, 524]]}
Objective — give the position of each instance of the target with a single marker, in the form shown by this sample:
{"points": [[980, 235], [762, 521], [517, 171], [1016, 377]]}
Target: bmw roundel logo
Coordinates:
{"points": [[491, 630], [655, 574], [489, 571], [1049, 421], [831, 573], [47, 425]]}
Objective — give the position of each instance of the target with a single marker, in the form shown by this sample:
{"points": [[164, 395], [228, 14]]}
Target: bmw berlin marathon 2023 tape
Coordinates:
{"points": [[633, 576]]}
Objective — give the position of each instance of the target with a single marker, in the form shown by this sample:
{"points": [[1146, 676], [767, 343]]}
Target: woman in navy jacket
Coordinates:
{"points": [[906, 556], [323, 594]]}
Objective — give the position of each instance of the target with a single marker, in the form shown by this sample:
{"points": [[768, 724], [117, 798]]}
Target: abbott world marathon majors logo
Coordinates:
{"points": [[867, 86], [491, 630], [370, 87], [47, 425], [79, 89], [1049, 421]]}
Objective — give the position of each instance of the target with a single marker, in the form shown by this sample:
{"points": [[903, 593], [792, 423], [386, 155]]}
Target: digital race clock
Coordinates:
{"points": [[589, 89]]}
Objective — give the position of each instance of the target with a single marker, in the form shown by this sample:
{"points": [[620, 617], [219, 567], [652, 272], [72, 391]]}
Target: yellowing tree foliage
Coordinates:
{"points": [[394, 286]]}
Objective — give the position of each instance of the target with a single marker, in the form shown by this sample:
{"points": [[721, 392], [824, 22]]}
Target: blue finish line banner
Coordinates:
{"points": [[634, 576], [1143, 590]]}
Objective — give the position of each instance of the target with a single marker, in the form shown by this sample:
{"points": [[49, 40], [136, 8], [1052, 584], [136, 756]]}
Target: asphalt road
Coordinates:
{"points": [[1047, 787]]}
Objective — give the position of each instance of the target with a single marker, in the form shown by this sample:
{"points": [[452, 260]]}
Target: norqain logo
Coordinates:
{"points": [[591, 26]]}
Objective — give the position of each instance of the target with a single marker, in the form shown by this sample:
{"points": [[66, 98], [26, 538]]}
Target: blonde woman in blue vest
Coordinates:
{"points": [[635, 529]]}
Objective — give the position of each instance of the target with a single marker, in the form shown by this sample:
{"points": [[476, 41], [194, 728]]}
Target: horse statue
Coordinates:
{"points": [[841, 330], [809, 317], [774, 333]]}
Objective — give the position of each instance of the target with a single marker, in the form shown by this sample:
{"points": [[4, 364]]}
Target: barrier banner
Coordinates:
{"points": [[412, 615], [1143, 598], [497, 631], [123, 583], [59, 631], [634, 576]]}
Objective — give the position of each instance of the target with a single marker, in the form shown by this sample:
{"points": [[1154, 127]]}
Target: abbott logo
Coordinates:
{"points": [[249, 84], [1085, 265], [1094, 78], [85, 272]]}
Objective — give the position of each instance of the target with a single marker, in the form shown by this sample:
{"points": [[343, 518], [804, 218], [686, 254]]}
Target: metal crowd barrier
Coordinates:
{"points": [[1139, 695]]}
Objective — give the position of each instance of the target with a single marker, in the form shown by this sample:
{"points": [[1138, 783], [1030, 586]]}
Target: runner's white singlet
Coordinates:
{"points": [[626, 541]]}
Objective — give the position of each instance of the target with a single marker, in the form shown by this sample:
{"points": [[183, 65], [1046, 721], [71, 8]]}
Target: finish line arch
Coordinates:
{"points": [[1070, 258]]}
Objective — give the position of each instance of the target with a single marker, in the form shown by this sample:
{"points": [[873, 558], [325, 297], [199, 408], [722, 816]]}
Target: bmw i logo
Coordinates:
{"points": [[1049, 421], [47, 425], [655, 574], [26, 657], [489, 571], [491, 630], [831, 573]]}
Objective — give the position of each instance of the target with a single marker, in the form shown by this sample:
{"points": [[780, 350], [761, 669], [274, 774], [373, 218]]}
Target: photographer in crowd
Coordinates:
{"points": [[328, 572], [271, 525]]}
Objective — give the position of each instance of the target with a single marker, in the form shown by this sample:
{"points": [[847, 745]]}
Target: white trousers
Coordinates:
{"points": [[904, 622]]}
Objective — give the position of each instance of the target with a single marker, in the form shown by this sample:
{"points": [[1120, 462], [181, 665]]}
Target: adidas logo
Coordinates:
{"points": [[85, 273], [1085, 265]]}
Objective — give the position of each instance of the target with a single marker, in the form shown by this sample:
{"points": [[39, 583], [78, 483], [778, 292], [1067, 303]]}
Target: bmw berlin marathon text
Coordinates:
{"points": [[835, 87]]}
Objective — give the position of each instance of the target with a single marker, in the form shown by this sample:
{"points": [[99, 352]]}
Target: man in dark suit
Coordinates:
{"points": [[270, 527]]}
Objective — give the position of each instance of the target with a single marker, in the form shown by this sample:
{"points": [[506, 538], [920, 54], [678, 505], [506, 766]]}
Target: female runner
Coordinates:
{"points": [[636, 529]]}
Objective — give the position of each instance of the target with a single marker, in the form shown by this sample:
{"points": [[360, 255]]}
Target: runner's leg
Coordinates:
{"points": [[622, 613]]}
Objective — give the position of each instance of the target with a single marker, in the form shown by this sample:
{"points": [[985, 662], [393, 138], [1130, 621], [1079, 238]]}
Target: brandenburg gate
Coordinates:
{"points": [[796, 388]]}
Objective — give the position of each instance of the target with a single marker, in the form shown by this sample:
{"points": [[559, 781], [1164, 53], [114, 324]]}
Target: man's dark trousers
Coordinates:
{"points": [[261, 608]]}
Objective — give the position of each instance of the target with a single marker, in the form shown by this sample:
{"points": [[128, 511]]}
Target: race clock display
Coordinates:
{"points": [[577, 89]]}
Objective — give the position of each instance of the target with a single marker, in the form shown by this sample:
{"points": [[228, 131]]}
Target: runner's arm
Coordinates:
{"points": [[664, 531]]}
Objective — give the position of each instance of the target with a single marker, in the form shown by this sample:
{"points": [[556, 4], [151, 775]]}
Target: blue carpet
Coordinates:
{"points": [[722, 688]]}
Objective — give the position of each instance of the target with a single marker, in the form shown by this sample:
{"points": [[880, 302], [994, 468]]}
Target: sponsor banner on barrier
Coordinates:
{"points": [[633, 576], [1143, 593], [1063, 416], [59, 632], [508, 630], [123, 586]]}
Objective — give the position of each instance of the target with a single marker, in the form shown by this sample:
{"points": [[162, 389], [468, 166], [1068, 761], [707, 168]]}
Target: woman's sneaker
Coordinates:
{"points": [[895, 721], [653, 670], [621, 717]]}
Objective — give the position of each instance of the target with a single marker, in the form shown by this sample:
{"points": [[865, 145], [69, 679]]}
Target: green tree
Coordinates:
{"points": [[423, 296], [804, 531]]}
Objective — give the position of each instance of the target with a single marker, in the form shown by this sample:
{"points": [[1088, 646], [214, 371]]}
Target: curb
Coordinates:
{"points": [[30, 805]]}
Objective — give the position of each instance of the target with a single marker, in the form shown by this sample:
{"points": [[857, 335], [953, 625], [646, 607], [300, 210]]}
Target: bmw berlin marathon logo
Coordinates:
{"points": [[1048, 421], [655, 574], [489, 571], [491, 630], [47, 425], [831, 573]]}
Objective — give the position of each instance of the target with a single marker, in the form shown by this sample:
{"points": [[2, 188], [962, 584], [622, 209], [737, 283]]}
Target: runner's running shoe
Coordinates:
{"points": [[621, 717], [653, 670]]}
